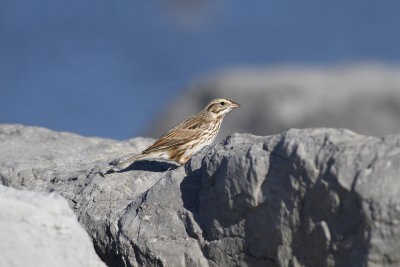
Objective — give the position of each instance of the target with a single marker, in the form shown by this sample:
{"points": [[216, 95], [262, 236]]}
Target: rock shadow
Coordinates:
{"points": [[148, 165], [190, 190]]}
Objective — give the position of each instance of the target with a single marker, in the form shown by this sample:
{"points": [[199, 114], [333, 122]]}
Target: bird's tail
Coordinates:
{"points": [[122, 163]]}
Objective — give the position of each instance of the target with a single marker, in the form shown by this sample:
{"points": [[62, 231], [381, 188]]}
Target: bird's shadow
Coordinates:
{"points": [[148, 165]]}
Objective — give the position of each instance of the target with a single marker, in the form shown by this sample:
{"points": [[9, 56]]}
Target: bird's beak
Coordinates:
{"points": [[234, 105]]}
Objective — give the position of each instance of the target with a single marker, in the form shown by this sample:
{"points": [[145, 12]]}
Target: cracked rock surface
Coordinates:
{"points": [[310, 197]]}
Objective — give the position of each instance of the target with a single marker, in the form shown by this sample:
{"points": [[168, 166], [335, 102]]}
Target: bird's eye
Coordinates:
{"points": [[222, 103]]}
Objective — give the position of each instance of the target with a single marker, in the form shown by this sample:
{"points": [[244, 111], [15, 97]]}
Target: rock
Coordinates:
{"points": [[40, 229], [306, 197], [135, 217], [315, 197], [364, 98]]}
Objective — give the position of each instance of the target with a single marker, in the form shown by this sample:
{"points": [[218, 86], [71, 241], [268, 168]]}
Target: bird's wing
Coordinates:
{"points": [[179, 135]]}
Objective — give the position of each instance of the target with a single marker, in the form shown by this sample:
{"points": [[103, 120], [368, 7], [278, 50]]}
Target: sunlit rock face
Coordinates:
{"points": [[40, 229]]}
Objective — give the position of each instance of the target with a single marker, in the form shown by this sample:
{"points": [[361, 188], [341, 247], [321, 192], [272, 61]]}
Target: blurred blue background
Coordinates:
{"points": [[107, 68]]}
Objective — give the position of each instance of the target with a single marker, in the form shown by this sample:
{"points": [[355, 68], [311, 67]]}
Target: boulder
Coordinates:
{"points": [[313, 197], [40, 229], [305, 197]]}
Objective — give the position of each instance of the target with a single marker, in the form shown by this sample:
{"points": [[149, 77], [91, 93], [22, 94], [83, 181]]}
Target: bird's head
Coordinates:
{"points": [[220, 107]]}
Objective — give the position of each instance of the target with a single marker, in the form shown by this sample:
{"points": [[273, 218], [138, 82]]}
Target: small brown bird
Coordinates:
{"points": [[188, 137]]}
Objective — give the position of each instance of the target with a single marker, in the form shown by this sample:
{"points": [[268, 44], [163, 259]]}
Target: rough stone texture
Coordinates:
{"points": [[312, 197], [364, 98], [135, 218], [40, 229], [317, 197]]}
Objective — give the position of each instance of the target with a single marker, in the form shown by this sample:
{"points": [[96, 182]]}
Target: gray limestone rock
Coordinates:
{"points": [[315, 197], [40, 229], [306, 197], [135, 217]]}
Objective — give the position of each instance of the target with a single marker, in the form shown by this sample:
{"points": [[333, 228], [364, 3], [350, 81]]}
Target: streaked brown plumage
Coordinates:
{"points": [[188, 137]]}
